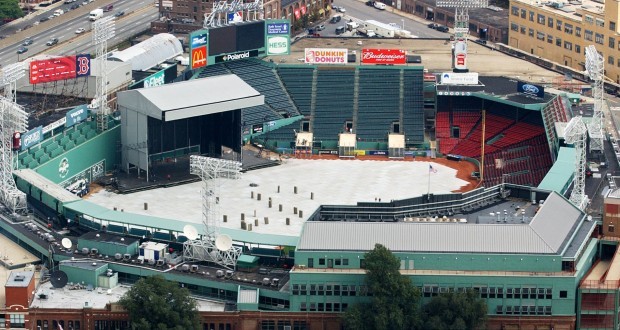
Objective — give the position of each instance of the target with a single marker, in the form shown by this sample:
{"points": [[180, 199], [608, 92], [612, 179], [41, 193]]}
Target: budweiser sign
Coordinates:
{"points": [[383, 56]]}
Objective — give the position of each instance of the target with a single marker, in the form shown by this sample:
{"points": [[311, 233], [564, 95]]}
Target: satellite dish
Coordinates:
{"points": [[59, 279], [190, 232], [223, 242], [66, 243]]}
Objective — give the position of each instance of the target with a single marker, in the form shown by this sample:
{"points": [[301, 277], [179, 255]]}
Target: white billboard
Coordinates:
{"points": [[453, 78], [325, 55]]}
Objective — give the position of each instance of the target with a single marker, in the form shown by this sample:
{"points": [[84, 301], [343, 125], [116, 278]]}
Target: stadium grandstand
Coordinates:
{"points": [[480, 198]]}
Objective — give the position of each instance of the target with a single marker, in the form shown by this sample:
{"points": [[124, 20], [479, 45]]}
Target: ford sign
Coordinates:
{"points": [[531, 89]]}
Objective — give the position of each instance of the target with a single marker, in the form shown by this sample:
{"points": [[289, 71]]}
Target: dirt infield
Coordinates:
{"points": [[463, 168]]}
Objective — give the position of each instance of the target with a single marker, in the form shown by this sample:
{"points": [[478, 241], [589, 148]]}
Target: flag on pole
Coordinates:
{"points": [[431, 169]]}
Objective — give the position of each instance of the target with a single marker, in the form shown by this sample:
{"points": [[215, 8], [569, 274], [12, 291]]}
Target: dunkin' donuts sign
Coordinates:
{"points": [[325, 56], [383, 56]]}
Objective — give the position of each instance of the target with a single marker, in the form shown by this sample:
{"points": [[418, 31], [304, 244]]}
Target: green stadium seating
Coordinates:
{"points": [[44, 159]]}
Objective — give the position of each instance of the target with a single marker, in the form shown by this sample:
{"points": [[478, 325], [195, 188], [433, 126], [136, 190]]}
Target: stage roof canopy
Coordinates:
{"points": [[192, 98]]}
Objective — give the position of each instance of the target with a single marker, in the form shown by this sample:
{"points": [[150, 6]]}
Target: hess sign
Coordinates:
{"points": [[383, 56]]}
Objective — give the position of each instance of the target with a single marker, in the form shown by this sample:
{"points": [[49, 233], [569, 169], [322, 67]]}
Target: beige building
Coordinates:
{"points": [[561, 31]]}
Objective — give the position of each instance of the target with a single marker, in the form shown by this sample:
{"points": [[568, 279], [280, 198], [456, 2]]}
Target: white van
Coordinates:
{"points": [[379, 5]]}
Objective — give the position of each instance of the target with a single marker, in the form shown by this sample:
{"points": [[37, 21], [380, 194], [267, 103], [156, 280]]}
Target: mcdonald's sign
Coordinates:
{"points": [[199, 57]]}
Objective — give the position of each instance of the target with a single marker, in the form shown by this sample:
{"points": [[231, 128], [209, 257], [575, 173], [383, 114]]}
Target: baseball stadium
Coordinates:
{"points": [[259, 184]]}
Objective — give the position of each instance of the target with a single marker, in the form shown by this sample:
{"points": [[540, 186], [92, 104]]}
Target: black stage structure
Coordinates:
{"points": [[161, 126]]}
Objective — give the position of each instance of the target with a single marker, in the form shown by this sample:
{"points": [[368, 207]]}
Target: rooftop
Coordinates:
{"points": [[19, 279], [99, 236], [568, 9], [88, 265]]}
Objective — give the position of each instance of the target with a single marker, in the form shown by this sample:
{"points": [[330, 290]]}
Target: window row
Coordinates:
{"points": [[496, 292], [323, 307], [523, 310], [53, 325], [328, 290], [283, 325]]}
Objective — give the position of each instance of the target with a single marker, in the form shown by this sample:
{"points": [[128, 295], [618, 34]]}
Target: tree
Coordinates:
{"points": [[395, 301], [9, 10], [455, 310], [156, 303]]}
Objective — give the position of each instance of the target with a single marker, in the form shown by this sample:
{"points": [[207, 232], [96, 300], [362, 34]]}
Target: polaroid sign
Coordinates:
{"points": [[32, 137], [76, 115], [453, 78], [278, 45], [236, 56], [156, 79], [531, 89], [325, 56]]}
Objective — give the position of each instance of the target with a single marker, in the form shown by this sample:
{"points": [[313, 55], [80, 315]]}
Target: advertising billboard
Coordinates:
{"points": [[76, 115], [383, 56], [235, 17], [454, 78], [61, 68], [278, 37], [32, 137], [198, 42], [236, 56], [460, 55], [156, 79], [531, 89], [325, 55]]}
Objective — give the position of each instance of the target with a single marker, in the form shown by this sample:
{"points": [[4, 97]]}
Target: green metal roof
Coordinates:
{"points": [[561, 173], [247, 259], [106, 215]]}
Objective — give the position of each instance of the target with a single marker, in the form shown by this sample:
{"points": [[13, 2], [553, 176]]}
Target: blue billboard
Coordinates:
{"points": [[531, 89], [278, 28], [76, 115], [32, 137]]}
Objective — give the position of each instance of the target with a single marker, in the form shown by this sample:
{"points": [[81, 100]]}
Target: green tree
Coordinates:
{"points": [[9, 9], [156, 303], [395, 301], [455, 310]]}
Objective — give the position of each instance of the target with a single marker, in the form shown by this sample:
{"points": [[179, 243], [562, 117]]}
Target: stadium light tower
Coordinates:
{"points": [[595, 66], [575, 134], [9, 76], [103, 30], [461, 29], [213, 247], [12, 119]]}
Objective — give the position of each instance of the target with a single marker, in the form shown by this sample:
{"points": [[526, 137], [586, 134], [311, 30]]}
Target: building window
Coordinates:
{"points": [[312, 289], [618, 63], [522, 29], [612, 42], [549, 38], [558, 42], [577, 49], [310, 262], [558, 25], [345, 262], [540, 36], [568, 45], [600, 22], [515, 11], [563, 294], [362, 264], [578, 31], [588, 35], [541, 19], [550, 22], [531, 16], [600, 39], [612, 26], [611, 228], [321, 261], [523, 13], [589, 19], [568, 28], [337, 262], [514, 27], [17, 320], [530, 32]]}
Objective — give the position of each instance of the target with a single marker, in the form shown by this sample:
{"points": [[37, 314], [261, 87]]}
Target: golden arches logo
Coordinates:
{"points": [[199, 57]]}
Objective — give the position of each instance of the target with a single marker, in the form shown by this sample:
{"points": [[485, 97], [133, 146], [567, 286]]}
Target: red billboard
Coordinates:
{"points": [[199, 57], [383, 56], [61, 68]]}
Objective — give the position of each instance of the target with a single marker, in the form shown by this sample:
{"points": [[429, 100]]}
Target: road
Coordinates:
{"points": [[359, 12], [138, 15]]}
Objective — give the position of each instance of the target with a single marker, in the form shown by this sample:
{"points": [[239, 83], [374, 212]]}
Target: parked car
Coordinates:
{"points": [[433, 25], [52, 42], [75, 6], [44, 19], [27, 42], [370, 3], [119, 13], [443, 28], [342, 10], [22, 50], [320, 27], [80, 31], [334, 20]]}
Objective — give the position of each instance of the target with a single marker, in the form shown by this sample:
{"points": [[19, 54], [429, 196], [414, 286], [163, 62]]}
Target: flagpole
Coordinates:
{"points": [[428, 192]]}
